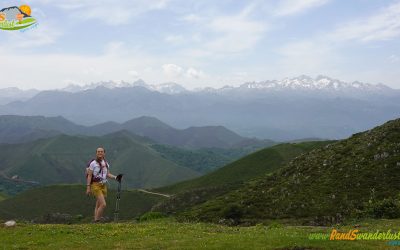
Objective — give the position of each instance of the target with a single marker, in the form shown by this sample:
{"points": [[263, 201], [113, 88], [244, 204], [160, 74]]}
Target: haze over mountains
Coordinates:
{"points": [[288, 109], [17, 129]]}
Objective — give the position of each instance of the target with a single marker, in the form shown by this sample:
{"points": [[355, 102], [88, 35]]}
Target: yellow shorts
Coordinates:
{"points": [[99, 188]]}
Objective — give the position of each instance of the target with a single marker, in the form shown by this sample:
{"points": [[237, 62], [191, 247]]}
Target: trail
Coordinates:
{"points": [[148, 192]]}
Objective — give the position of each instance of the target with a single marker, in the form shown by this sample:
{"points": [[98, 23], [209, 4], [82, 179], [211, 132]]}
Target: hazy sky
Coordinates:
{"points": [[202, 42]]}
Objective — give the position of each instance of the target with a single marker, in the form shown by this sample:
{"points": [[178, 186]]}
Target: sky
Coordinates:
{"points": [[203, 43]]}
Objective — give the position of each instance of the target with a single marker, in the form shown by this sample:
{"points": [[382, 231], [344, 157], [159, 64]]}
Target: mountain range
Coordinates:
{"points": [[18, 129], [289, 109], [302, 82]]}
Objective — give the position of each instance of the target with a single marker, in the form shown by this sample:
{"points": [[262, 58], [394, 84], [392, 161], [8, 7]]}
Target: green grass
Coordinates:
{"points": [[71, 199], [256, 164], [3, 196], [231, 177], [323, 186], [168, 234]]}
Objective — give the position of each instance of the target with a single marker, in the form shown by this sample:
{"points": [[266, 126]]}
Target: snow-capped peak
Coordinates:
{"points": [[307, 83], [169, 88]]}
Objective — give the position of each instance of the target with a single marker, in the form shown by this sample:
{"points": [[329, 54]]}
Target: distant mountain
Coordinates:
{"points": [[8, 95], [15, 129], [303, 82], [322, 83], [284, 110], [62, 159], [168, 88], [346, 179]]}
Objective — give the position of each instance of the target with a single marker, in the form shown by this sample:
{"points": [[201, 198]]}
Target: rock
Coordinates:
{"points": [[10, 223]]}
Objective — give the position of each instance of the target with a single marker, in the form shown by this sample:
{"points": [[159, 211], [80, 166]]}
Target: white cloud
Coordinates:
{"points": [[107, 11], [43, 34], [194, 73], [310, 57], [292, 7], [172, 70], [235, 34], [133, 73], [384, 25], [322, 54]]}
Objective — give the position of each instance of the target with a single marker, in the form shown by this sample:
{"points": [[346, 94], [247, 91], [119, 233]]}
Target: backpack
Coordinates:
{"points": [[95, 178]]}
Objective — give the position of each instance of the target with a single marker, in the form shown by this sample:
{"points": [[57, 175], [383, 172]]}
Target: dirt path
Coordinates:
{"points": [[148, 192]]}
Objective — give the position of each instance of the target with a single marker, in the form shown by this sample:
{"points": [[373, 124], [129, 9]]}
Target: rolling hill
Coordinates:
{"points": [[62, 159], [348, 178], [232, 176], [18, 129]]}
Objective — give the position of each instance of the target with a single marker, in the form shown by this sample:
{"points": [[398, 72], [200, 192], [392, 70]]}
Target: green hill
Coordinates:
{"points": [[196, 191], [10, 187], [3, 196], [204, 160], [71, 199], [353, 177], [62, 159], [19, 129], [259, 163]]}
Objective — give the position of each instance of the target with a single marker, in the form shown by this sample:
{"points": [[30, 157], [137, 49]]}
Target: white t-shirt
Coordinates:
{"points": [[99, 172]]}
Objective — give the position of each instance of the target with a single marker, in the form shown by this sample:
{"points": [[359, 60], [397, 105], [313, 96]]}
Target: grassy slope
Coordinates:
{"points": [[328, 183], [62, 159], [256, 164], [3, 196], [167, 234], [204, 160], [193, 192], [71, 199]]}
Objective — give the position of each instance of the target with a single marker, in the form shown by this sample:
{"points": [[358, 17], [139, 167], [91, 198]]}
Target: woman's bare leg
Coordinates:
{"points": [[100, 206]]}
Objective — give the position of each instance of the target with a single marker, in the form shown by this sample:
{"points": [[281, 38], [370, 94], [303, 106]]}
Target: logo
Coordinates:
{"points": [[17, 18]]}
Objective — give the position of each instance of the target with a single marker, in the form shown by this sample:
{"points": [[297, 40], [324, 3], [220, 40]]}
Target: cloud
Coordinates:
{"points": [[133, 73], [194, 73], [307, 57], [292, 7], [172, 70], [43, 34], [107, 11], [221, 34], [236, 34], [384, 25]]}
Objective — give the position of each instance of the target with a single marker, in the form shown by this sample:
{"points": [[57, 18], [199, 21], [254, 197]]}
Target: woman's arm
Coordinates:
{"points": [[109, 175], [89, 181]]}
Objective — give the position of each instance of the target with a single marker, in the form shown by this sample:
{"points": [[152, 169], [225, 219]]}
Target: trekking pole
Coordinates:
{"points": [[117, 202]]}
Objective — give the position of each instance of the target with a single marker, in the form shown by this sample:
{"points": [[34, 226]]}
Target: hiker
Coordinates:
{"points": [[97, 174]]}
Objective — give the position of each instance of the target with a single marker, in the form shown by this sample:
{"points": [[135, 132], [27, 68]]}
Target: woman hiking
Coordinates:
{"points": [[97, 174]]}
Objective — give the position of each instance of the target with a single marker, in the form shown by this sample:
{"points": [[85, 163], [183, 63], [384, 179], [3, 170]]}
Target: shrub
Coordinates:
{"points": [[151, 216], [387, 208]]}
